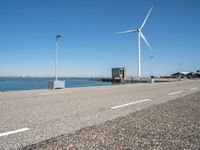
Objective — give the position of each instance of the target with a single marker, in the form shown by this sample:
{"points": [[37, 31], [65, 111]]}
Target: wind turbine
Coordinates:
{"points": [[140, 34]]}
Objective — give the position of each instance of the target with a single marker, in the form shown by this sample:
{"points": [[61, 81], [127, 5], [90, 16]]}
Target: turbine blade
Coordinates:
{"points": [[143, 37], [129, 31], [146, 18]]}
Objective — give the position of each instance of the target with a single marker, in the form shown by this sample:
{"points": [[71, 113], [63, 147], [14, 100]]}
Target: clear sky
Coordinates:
{"points": [[90, 46]]}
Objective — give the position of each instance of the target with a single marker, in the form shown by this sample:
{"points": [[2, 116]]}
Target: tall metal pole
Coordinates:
{"points": [[139, 67], [180, 65], [150, 65], [56, 59]]}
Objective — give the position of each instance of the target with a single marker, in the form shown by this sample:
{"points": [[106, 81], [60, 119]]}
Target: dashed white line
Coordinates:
{"points": [[68, 92], [104, 89], [174, 93], [115, 107], [194, 88], [14, 132]]}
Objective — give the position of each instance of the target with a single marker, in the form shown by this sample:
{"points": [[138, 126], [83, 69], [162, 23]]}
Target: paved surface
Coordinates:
{"points": [[29, 117], [172, 125]]}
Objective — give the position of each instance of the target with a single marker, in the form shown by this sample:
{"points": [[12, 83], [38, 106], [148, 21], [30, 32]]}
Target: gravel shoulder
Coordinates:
{"points": [[171, 125]]}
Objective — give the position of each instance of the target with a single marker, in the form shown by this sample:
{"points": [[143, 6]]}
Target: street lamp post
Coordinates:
{"points": [[56, 84], [150, 80], [56, 55], [180, 65], [150, 58], [180, 69]]}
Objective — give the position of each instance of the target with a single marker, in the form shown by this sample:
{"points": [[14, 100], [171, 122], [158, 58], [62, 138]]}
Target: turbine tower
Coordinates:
{"points": [[140, 34]]}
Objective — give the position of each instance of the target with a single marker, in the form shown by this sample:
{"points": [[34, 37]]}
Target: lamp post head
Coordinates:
{"points": [[58, 36], [151, 57]]}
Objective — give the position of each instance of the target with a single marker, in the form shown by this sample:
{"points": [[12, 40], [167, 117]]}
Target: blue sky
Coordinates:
{"points": [[90, 46]]}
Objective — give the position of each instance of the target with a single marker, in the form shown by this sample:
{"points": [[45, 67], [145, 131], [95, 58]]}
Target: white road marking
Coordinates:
{"points": [[13, 132], [68, 92], [102, 89], [194, 88], [115, 107], [174, 93]]}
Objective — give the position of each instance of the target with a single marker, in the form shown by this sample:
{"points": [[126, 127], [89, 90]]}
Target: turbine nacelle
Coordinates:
{"points": [[140, 29]]}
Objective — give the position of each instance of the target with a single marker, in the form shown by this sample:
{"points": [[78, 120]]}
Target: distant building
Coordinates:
{"points": [[119, 73], [186, 75], [179, 75], [192, 75], [198, 73]]}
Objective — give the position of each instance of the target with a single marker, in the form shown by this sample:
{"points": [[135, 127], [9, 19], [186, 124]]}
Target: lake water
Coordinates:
{"points": [[15, 84]]}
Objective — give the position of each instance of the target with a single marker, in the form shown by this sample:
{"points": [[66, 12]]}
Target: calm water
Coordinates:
{"points": [[14, 84]]}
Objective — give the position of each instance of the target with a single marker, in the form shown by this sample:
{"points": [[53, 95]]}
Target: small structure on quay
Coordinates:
{"points": [[118, 74]]}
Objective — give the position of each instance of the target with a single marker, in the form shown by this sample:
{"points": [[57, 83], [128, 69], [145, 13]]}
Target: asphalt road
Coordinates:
{"points": [[171, 125], [28, 117]]}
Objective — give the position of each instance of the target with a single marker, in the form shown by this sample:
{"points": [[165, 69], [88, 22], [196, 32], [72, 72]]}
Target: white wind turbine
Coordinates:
{"points": [[143, 37]]}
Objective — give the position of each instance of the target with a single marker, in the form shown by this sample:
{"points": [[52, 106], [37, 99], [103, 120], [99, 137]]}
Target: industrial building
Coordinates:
{"points": [[186, 75], [179, 74], [118, 74]]}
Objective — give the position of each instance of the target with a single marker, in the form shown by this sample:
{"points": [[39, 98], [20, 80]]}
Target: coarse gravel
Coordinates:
{"points": [[171, 125]]}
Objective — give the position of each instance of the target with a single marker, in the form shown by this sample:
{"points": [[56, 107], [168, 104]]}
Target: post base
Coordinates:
{"points": [[56, 85], [150, 80]]}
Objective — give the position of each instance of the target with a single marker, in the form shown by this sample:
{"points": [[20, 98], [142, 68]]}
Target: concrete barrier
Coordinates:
{"points": [[56, 85]]}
